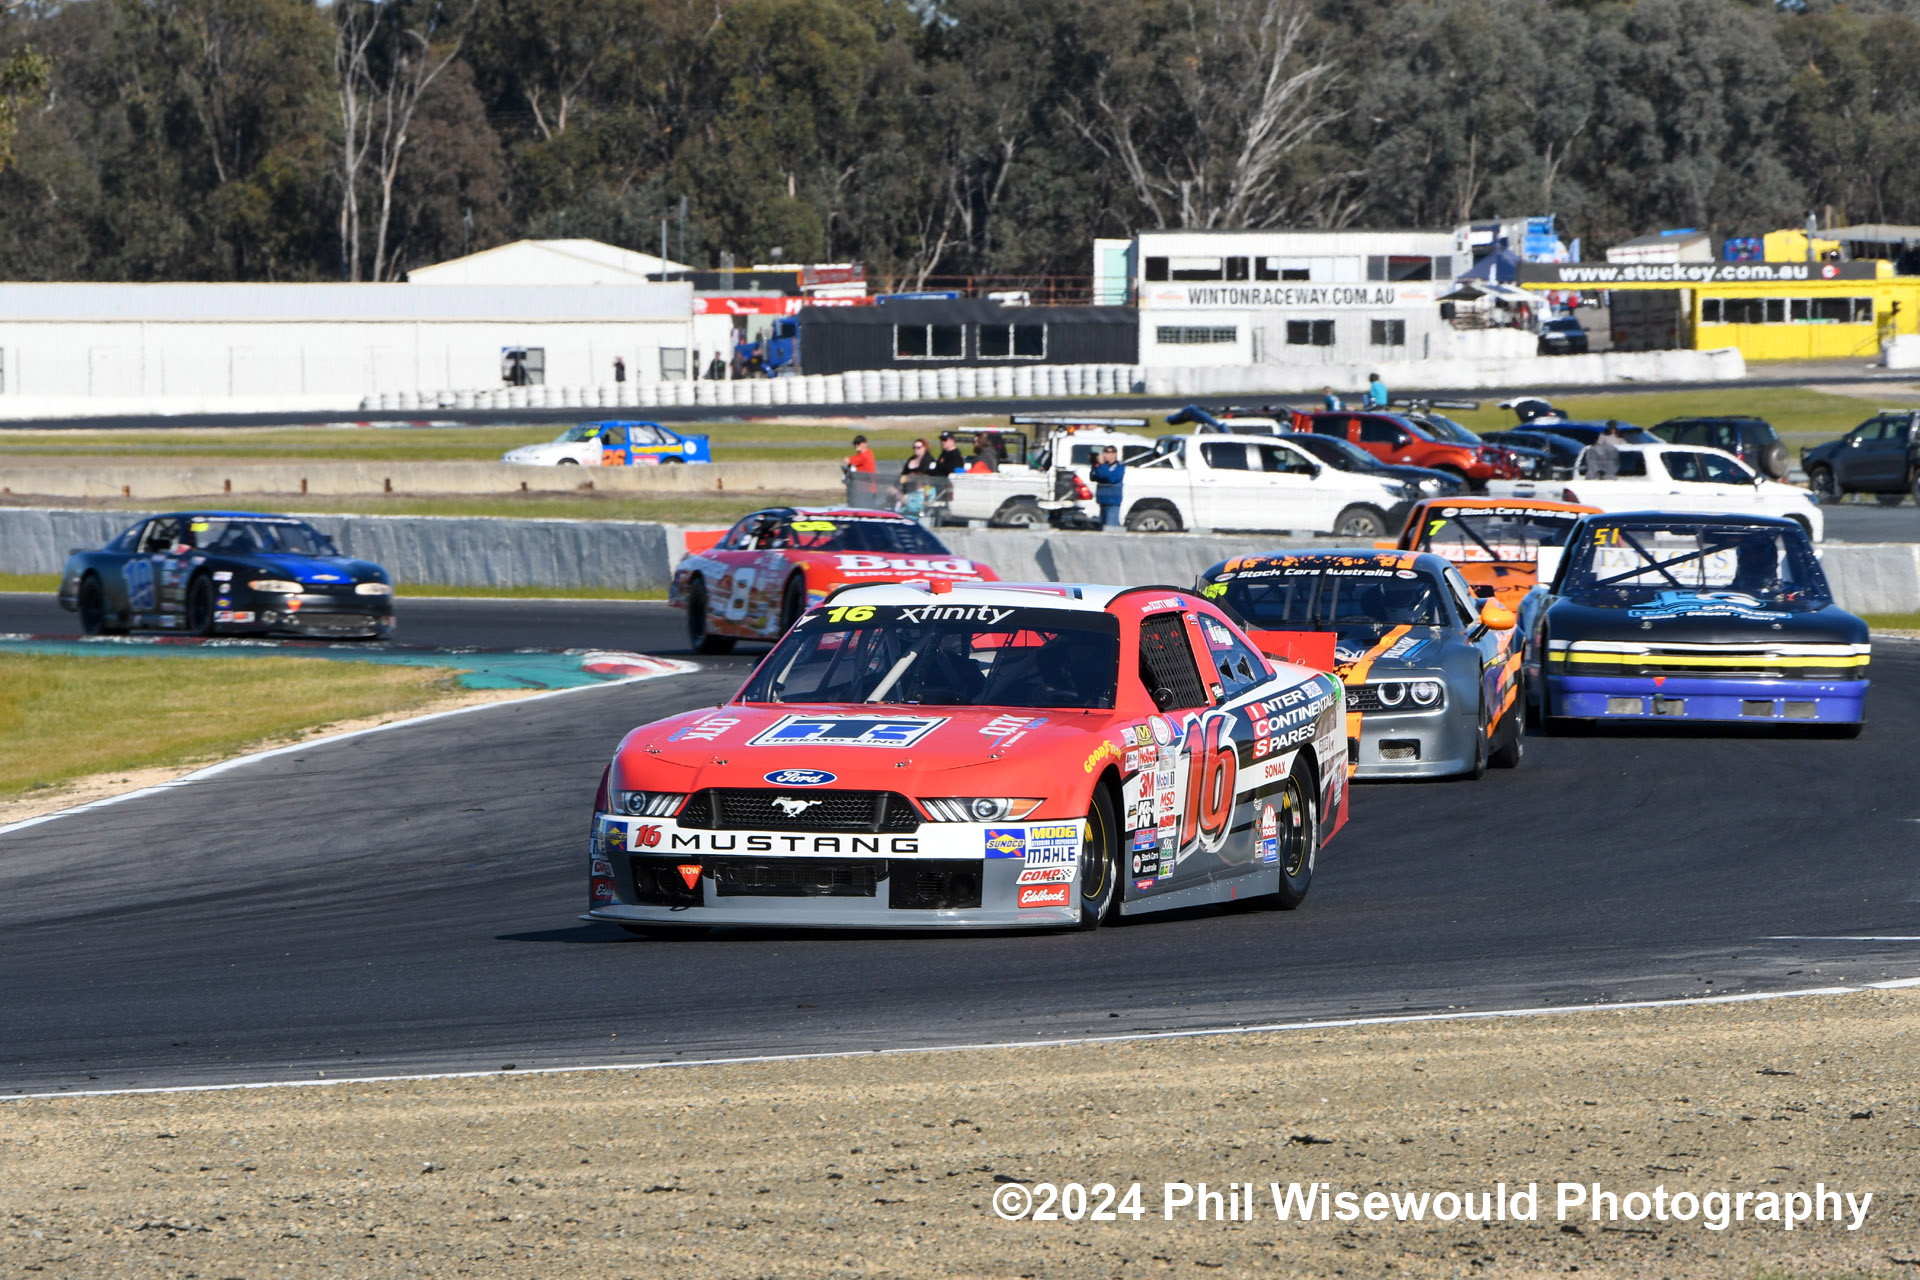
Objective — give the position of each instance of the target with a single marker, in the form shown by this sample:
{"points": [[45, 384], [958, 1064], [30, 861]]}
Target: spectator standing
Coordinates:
{"points": [[1109, 475], [920, 465], [619, 368], [950, 460], [861, 459], [1331, 402], [1603, 458], [717, 371], [989, 453], [1376, 392]]}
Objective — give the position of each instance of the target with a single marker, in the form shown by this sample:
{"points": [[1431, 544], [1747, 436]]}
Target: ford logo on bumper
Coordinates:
{"points": [[801, 777]]}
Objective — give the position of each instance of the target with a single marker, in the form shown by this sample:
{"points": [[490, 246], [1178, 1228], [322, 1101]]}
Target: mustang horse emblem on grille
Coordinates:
{"points": [[793, 808]]}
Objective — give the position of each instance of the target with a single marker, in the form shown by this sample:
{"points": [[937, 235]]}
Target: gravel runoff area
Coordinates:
{"points": [[890, 1165]]}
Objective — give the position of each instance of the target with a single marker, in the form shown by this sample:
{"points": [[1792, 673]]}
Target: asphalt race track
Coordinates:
{"points": [[408, 901], [449, 623]]}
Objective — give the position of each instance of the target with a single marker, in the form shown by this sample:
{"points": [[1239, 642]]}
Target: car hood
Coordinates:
{"points": [[920, 751], [312, 570], [1821, 452], [1417, 649], [1714, 617], [537, 452]]}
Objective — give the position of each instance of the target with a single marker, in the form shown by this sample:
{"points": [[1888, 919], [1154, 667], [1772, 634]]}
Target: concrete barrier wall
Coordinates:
{"points": [[637, 556], [450, 551], [61, 479]]}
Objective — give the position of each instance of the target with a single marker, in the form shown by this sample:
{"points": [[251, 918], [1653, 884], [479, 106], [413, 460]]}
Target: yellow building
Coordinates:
{"points": [[1769, 311], [1840, 318]]}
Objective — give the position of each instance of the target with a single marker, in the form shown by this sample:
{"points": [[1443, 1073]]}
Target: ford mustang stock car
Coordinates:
{"points": [[979, 756], [1647, 615], [1432, 673], [209, 573], [1492, 541], [773, 565]]}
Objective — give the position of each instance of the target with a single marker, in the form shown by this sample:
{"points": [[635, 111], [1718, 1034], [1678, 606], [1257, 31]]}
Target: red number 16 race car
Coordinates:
{"points": [[979, 756]]}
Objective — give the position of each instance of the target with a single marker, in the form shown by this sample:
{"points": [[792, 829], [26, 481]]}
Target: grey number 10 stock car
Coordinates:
{"points": [[1432, 673], [979, 756]]}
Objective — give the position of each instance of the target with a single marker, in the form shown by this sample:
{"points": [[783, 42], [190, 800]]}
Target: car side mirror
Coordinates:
{"points": [[1495, 616]]}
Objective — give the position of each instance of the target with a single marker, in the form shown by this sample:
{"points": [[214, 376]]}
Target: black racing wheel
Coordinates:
{"points": [[699, 639], [199, 620], [793, 602], [1099, 864], [94, 619], [1297, 832]]}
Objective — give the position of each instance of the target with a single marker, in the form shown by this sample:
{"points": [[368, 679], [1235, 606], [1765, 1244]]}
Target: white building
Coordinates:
{"points": [[166, 346], [548, 262], [1293, 297]]}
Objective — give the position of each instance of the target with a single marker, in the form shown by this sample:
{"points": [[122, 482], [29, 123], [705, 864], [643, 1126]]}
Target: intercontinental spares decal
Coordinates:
{"points": [[1287, 297], [1710, 1208], [1605, 275]]}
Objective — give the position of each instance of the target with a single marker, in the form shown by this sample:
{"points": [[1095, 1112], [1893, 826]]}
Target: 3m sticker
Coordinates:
{"points": [[846, 731], [1046, 895]]}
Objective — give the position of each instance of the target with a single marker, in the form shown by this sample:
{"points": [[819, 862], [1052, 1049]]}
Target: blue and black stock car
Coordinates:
{"points": [[226, 573]]}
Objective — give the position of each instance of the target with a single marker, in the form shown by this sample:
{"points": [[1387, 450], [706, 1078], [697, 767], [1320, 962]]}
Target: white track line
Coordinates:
{"points": [[676, 667], [763, 1059]]}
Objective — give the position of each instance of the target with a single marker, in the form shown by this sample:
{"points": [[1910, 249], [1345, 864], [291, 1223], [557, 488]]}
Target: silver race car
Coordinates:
{"points": [[1432, 673]]}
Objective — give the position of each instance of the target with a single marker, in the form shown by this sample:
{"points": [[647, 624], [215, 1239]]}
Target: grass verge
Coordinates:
{"points": [[64, 718], [1893, 621], [38, 583], [731, 442]]}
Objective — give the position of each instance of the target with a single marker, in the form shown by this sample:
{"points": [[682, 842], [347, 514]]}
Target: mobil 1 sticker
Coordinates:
{"points": [[1053, 846]]}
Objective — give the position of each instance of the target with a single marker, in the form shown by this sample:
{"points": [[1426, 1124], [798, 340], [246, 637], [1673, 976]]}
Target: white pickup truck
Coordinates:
{"points": [[1023, 496], [1676, 477], [1256, 483]]}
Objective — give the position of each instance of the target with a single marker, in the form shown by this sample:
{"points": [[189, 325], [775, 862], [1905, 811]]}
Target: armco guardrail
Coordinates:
{"points": [[450, 551], [638, 556]]}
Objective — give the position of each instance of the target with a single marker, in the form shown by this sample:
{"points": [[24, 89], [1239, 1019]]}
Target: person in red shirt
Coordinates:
{"points": [[861, 458]]}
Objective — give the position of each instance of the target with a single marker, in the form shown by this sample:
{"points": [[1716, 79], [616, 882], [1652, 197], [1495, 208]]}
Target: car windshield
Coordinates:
{"points": [[1321, 594], [251, 537], [585, 431], [1506, 535], [1626, 565], [841, 533], [946, 655], [1443, 428], [1344, 454]]}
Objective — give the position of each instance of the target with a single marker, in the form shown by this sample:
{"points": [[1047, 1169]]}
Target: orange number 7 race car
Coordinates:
{"points": [[1494, 542], [979, 756]]}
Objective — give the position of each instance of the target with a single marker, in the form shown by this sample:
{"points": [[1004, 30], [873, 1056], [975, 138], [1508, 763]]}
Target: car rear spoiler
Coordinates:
{"points": [[1302, 648]]}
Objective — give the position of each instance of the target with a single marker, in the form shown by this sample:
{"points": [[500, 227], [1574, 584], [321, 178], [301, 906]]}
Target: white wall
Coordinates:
{"points": [[186, 359]]}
